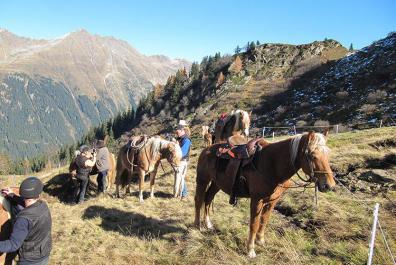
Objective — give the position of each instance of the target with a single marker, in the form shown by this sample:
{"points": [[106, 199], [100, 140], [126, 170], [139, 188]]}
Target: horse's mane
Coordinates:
{"points": [[156, 144], [318, 142], [240, 117]]}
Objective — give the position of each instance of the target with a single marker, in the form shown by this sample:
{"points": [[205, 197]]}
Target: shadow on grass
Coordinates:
{"points": [[62, 187], [133, 224]]}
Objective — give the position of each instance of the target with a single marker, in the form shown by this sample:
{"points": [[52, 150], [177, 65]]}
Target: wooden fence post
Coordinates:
{"points": [[263, 132], [294, 127]]}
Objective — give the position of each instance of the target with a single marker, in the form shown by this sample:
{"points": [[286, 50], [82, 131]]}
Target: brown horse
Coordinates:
{"points": [[237, 122], [147, 161], [206, 135], [268, 176], [6, 226], [110, 173]]}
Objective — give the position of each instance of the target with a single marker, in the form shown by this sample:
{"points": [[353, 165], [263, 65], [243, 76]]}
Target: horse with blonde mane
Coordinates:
{"points": [[267, 176], [237, 122], [146, 161]]}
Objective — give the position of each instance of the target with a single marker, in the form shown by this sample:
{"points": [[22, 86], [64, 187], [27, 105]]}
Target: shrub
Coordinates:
{"points": [[376, 95], [367, 109], [322, 123], [342, 94]]}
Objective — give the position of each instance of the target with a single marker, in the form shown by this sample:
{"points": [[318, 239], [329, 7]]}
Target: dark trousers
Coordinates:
{"points": [[42, 262], [102, 180], [82, 189]]}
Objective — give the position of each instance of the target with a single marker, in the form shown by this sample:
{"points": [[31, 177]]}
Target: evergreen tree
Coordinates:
{"points": [[351, 47], [257, 43], [194, 71], [237, 50]]}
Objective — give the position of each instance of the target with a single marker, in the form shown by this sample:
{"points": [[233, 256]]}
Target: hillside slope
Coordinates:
{"points": [[52, 91], [284, 85]]}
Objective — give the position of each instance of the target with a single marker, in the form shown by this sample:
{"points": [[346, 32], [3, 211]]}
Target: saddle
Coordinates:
{"points": [[133, 147], [240, 153]]}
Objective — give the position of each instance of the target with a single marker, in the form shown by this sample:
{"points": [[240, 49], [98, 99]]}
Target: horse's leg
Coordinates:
{"points": [[210, 193], [200, 192], [256, 206], [152, 180], [265, 215], [141, 184]]}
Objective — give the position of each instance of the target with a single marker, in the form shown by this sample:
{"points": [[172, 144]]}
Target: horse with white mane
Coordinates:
{"points": [[237, 122], [145, 160]]}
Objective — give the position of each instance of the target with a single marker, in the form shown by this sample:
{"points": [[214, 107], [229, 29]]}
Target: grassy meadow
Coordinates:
{"points": [[106, 230]]}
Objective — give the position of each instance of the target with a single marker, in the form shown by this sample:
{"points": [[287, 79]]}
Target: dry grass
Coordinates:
{"points": [[106, 230]]}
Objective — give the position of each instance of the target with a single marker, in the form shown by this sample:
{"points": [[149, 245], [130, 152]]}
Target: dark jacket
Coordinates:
{"points": [[82, 170], [38, 243], [31, 234]]}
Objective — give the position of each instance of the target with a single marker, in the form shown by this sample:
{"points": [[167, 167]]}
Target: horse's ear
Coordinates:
{"points": [[311, 136], [326, 133]]}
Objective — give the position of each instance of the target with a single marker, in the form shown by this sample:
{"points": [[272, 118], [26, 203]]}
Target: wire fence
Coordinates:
{"points": [[272, 131]]}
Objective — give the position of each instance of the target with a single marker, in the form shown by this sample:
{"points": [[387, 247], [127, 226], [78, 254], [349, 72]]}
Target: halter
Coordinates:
{"points": [[307, 155]]}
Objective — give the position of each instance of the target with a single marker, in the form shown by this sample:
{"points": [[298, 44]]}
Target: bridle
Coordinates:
{"points": [[311, 177]]}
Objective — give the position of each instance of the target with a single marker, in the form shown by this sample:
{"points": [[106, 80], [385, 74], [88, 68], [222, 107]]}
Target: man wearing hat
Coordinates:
{"points": [[84, 161], [31, 232], [182, 132]]}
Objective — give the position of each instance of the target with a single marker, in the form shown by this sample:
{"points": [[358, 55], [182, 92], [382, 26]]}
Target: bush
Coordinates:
{"points": [[342, 94], [376, 96], [322, 123], [367, 109]]}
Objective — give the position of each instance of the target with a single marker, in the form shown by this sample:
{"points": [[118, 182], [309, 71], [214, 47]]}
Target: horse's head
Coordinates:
{"points": [[315, 161], [173, 154], [243, 121]]}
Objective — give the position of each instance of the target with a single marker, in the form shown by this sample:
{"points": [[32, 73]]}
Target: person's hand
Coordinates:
{"points": [[7, 192]]}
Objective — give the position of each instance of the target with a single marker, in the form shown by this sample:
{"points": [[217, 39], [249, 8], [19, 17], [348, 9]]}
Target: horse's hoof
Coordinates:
{"points": [[252, 254]]}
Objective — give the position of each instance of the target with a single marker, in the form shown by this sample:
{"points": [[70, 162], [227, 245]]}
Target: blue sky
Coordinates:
{"points": [[192, 29]]}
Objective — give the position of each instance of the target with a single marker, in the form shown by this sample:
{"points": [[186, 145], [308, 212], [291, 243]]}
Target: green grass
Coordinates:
{"points": [[106, 230]]}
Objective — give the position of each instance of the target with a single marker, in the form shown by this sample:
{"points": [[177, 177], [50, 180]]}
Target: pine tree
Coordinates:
{"points": [[194, 71], [237, 50], [351, 47], [257, 43]]}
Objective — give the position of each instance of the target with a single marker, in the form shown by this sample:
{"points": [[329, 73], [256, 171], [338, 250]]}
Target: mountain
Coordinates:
{"points": [[319, 83], [52, 91]]}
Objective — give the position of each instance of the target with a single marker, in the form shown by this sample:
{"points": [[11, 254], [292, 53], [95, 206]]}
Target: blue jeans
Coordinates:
{"points": [[183, 168], [102, 181], [184, 190]]}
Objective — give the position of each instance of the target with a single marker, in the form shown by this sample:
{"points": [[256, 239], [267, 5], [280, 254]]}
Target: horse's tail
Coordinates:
{"points": [[121, 178]]}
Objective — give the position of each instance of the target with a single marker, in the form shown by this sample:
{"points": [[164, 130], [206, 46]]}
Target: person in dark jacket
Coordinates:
{"points": [[84, 161], [102, 164], [31, 232]]}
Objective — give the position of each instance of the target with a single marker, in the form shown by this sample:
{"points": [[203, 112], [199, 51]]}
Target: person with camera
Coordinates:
{"points": [[84, 161], [31, 231], [103, 165]]}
